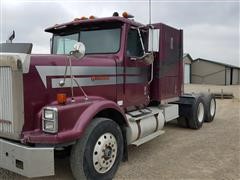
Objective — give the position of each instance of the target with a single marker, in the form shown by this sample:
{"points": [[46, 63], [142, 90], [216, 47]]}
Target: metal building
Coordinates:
{"points": [[187, 60], [209, 72]]}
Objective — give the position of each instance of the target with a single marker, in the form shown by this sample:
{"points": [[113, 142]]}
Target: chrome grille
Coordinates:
{"points": [[11, 96], [6, 100]]}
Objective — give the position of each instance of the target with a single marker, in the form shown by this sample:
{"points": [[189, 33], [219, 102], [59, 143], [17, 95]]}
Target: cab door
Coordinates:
{"points": [[136, 88]]}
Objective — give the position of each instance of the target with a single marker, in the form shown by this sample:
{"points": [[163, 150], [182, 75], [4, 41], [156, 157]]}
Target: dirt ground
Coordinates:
{"points": [[212, 152]]}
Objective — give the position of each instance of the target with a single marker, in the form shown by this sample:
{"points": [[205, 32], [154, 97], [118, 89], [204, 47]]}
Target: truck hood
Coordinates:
{"points": [[95, 73]]}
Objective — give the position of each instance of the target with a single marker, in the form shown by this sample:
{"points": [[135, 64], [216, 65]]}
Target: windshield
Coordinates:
{"points": [[95, 41]]}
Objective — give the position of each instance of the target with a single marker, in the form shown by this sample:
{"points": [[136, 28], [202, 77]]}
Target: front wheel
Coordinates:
{"points": [[99, 152]]}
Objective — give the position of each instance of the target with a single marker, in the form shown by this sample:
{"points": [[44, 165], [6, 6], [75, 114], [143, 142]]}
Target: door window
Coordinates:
{"points": [[134, 47]]}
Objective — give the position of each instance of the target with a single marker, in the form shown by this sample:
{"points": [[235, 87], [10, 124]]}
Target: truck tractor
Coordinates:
{"points": [[108, 83]]}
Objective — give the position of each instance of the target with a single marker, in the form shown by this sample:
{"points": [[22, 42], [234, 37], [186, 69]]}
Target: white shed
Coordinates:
{"points": [[187, 60]]}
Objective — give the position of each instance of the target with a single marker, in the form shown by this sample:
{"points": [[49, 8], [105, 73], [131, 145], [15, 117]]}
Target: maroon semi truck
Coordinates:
{"points": [[118, 87]]}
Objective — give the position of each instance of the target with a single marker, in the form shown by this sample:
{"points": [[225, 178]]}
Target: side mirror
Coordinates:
{"points": [[153, 40], [78, 50]]}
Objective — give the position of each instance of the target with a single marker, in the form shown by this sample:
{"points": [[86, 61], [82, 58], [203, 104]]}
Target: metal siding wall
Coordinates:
{"points": [[238, 76], [186, 73], [228, 76], [203, 72], [235, 76]]}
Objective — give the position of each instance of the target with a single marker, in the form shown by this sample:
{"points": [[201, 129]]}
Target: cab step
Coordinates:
{"points": [[141, 114]]}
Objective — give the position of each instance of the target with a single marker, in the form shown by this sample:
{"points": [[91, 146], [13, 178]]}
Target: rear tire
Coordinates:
{"points": [[198, 114], [210, 102], [99, 152]]}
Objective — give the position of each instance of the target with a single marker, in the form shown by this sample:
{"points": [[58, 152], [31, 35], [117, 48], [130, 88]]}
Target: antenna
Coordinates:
{"points": [[150, 21], [150, 11]]}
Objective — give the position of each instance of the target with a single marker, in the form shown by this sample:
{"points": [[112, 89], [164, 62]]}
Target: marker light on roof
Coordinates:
{"points": [[115, 14], [126, 15], [83, 18], [92, 17], [76, 19]]}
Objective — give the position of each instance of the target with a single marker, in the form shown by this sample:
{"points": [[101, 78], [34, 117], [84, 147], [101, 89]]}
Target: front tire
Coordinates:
{"points": [[99, 152]]}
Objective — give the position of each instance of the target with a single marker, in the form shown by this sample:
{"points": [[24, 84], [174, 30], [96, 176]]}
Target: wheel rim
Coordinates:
{"points": [[200, 112], [104, 153], [212, 108]]}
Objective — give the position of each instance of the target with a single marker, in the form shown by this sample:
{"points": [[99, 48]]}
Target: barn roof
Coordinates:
{"points": [[219, 63]]}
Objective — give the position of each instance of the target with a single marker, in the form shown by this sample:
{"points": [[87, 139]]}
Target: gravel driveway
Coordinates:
{"points": [[212, 152]]}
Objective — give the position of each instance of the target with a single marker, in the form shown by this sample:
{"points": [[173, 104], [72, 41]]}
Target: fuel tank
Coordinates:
{"points": [[144, 122]]}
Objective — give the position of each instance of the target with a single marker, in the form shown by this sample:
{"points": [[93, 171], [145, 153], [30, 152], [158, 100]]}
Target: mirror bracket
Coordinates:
{"points": [[77, 52]]}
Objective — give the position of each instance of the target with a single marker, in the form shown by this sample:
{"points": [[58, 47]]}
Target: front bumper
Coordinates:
{"points": [[26, 161]]}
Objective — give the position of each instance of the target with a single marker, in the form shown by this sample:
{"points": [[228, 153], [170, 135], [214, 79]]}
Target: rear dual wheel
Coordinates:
{"points": [[210, 102], [199, 110], [99, 152], [196, 109]]}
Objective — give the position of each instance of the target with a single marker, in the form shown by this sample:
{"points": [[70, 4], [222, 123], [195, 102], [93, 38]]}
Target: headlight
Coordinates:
{"points": [[48, 114], [50, 120]]}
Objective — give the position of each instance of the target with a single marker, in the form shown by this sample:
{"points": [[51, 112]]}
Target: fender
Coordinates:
{"points": [[87, 116], [80, 123]]}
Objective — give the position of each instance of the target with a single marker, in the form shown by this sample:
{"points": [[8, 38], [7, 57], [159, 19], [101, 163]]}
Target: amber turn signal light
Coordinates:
{"points": [[83, 18], [76, 19], [61, 98], [92, 17], [126, 15]]}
